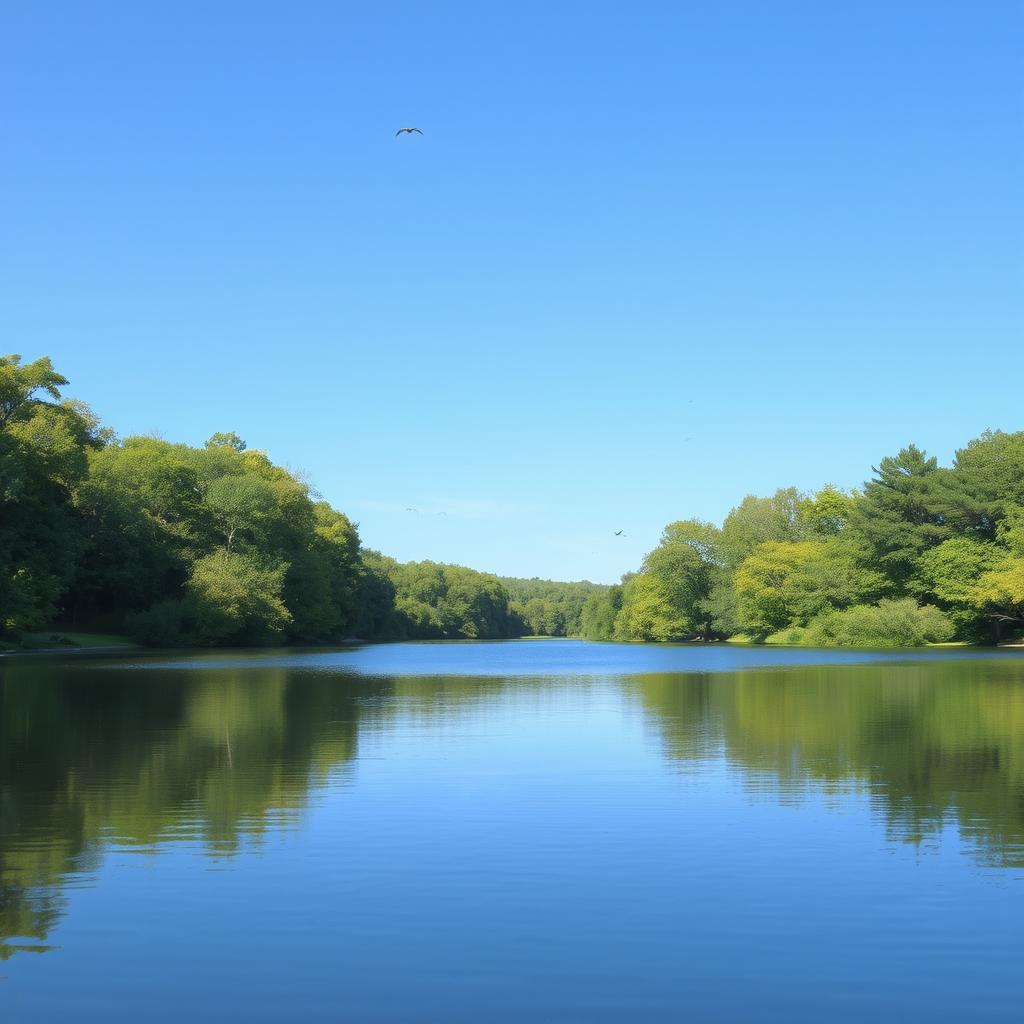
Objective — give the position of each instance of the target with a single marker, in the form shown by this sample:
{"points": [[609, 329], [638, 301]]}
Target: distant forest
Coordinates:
{"points": [[173, 544]]}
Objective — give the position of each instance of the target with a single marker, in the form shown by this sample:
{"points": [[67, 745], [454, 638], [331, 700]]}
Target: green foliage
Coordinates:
{"points": [[827, 513], [241, 503], [899, 623], [1000, 591], [170, 509], [670, 598], [1010, 531], [721, 608], [19, 385], [772, 584], [43, 458], [446, 602], [900, 514], [226, 440], [950, 572], [648, 613], [548, 607], [597, 620], [232, 598], [986, 482], [218, 545], [757, 520], [782, 584]]}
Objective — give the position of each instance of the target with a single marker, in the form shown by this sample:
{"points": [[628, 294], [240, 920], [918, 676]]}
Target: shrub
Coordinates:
{"points": [[901, 623]]}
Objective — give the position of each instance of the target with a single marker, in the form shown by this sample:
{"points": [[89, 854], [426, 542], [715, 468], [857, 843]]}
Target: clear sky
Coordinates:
{"points": [[644, 259]]}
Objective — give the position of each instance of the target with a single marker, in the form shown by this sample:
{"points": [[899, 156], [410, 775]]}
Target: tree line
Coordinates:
{"points": [[174, 544], [922, 553]]}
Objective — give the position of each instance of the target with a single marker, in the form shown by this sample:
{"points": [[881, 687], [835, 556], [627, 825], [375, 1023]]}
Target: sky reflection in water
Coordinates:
{"points": [[496, 831]]}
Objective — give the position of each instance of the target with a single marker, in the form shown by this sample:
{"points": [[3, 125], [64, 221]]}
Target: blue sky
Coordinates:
{"points": [[644, 259]]}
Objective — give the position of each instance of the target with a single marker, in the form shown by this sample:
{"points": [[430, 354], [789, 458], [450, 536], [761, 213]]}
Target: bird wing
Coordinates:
{"points": [[415, 130]]}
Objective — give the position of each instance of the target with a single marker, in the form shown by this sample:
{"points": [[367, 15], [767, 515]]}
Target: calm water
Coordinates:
{"points": [[549, 831]]}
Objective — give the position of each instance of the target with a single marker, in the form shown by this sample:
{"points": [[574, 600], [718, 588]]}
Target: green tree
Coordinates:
{"points": [[986, 481], [44, 449], [668, 598], [784, 584], [232, 598], [20, 385], [900, 515], [648, 613], [226, 440], [757, 520], [599, 613], [145, 524], [243, 504], [827, 513]]}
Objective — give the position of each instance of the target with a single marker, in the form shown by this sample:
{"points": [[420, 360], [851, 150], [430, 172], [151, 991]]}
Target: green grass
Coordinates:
{"points": [[72, 641]]}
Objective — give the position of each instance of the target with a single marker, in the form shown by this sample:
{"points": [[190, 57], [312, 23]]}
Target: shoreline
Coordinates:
{"points": [[119, 645]]}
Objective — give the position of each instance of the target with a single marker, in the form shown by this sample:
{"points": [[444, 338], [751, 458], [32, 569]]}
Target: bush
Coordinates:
{"points": [[233, 598], [900, 623], [791, 636]]}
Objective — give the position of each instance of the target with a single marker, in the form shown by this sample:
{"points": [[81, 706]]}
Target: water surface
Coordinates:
{"points": [[531, 830]]}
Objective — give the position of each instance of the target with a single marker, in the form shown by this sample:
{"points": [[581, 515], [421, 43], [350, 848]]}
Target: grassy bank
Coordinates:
{"points": [[62, 640]]}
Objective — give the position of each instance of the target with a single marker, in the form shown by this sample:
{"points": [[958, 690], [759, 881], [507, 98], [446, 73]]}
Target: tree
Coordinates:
{"points": [[44, 449], [19, 385], [666, 600], [1000, 591], [899, 516], [232, 598], [226, 440], [241, 503], [599, 612], [145, 524], [950, 572], [987, 479], [549, 607], [783, 584], [648, 612], [827, 513], [322, 588], [756, 520]]}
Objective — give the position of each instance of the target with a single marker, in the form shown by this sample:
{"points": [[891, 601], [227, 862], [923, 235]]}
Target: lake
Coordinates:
{"points": [[532, 830]]}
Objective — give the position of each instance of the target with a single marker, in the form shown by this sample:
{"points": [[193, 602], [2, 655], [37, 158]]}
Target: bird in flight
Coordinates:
{"points": [[408, 131], [619, 533]]}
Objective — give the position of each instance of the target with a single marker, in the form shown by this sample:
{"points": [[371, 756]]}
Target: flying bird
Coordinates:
{"points": [[408, 131], [618, 533]]}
